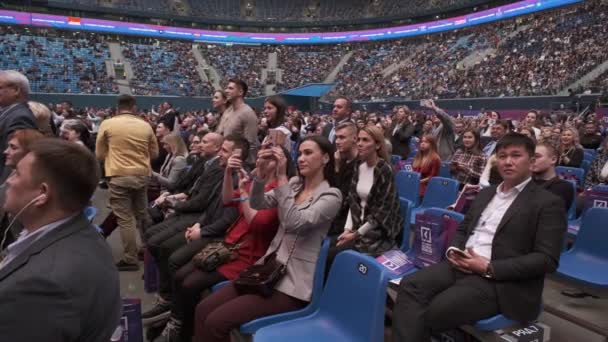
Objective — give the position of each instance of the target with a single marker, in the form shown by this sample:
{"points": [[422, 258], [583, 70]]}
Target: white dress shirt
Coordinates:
{"points": [[483, 234]]}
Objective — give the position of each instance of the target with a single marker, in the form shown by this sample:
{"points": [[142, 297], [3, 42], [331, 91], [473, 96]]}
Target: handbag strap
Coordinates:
{"points": [[293, 248]]}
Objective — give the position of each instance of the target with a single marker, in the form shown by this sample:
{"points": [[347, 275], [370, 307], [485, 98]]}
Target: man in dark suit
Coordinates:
{"points": [[510, 239], [14, 112], [58, 281], [341, 113]]}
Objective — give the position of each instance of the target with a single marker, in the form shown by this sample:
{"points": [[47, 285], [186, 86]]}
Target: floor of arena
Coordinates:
{"points": [[589, 310]]}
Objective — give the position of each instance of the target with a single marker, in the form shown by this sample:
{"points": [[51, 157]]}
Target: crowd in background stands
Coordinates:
{"points": [[167, 68], [56, 62], [273, 10], [539, 54], [346, 163]]}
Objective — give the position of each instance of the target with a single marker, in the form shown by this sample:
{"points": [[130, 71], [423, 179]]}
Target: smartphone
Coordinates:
{"points": [[459, 252], [237, 152]]}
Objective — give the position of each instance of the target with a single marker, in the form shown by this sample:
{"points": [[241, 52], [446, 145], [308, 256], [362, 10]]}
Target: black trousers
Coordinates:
{"points": [[189, 285], [162, 240], [440, 298]]}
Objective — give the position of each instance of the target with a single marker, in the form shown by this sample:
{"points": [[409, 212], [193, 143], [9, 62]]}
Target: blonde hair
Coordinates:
{"points": [[376, 134], [576, 141], [43, 117], [177, 144]]}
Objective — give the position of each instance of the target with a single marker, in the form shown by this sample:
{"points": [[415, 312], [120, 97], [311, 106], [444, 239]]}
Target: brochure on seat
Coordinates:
{"points": [[396, 261]]}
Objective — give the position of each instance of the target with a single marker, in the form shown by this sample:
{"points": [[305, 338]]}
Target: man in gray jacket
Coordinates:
{"points": [[58, 282]]}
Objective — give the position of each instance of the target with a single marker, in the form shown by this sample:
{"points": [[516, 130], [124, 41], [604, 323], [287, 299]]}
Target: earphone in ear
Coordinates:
{"points": [[39, 197]]}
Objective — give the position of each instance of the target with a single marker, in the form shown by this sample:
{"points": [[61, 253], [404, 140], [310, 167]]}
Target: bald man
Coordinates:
{"points": [[200, 209]]}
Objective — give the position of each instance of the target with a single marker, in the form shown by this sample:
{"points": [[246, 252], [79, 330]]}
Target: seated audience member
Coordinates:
{"points": [[510, 239], [570, 151], [591, 139], [194, 152], [175, 162], [253, 230], [18, 146], [543, 170], [527, 132], [402, 132], [546, 135], [373, 222], [74, 130], [598, 172], [203, 211], [59, 266], [306, 204], [44, 118], [531, 123], [469, 161], [490, 175], [498, 130], [275, 110], [346, 154], [426, 162]]}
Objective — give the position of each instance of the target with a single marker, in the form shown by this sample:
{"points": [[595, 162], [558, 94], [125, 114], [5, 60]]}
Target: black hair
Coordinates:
{"points": [[278, 102], [126, 101], [328, 148], [516, 139], [241, 85]]}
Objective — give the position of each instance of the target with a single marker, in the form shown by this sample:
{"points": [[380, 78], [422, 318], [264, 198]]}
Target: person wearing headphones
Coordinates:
{"points": [[59, 266]]}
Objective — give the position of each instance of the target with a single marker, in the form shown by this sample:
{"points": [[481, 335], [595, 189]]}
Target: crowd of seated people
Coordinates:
{"points": [[168, 69], [57, 62], [537, 54], [267, 215]]}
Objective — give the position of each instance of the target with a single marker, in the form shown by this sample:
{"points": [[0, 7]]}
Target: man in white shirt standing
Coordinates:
{"points": [[509, 240]]}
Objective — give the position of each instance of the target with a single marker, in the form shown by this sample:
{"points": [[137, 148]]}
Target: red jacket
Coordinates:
{"points": [[259, 233]]}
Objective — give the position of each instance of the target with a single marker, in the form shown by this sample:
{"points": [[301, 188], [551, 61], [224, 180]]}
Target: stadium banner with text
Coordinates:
{"points": [[117, 27]]}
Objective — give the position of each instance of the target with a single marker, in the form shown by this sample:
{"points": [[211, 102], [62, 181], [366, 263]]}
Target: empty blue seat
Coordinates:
{"points": [[408, 186], [445, 212], [444, 170], [395, 159], [344, 313], [575, 173], [587, 260], [440, 193]]}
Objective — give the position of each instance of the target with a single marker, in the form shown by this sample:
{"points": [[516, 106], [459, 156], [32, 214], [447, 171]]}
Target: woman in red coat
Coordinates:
{"points": [[426, 161], [253, 230]]}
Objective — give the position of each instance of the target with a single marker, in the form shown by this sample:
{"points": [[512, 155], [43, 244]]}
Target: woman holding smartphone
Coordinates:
{"points": [[274, 111], [306, 205]]}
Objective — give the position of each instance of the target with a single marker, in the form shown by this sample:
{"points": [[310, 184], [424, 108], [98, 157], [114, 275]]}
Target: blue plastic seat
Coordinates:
{"points": [[440, 193], [444, 170], [576, 173], [395, 159], [591, 151], [344, 313], [408, 186], [317, 289], [443, 212], [587, 260], [494, 323], [90, 213], [405, 207], [585, 165], [601, 188]]}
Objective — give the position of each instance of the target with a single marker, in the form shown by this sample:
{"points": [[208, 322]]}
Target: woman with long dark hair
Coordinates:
{"points": [[275, 110], [306, 205]]}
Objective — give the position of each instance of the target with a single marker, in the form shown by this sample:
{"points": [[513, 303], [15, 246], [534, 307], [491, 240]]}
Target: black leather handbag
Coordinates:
{"points": [[261, 279]]}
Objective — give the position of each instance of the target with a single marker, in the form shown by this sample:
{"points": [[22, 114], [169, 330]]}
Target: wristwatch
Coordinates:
{"points": [[489, 273]]}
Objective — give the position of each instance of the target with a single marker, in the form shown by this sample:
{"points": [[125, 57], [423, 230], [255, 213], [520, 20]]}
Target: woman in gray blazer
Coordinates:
{"points": [[307, 205], [175, 163]]}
